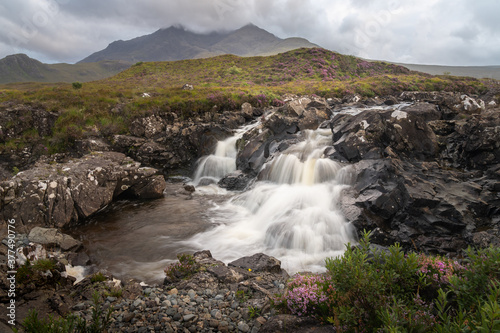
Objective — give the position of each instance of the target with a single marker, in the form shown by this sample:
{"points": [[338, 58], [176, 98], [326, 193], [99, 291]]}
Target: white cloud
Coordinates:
{"points": [[427, 31]]}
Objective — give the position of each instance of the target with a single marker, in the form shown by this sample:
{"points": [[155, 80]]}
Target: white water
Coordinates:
{"points": [[291, 213], [213, 167]]}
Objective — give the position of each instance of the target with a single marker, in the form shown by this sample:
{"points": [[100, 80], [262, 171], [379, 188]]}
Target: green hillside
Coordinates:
{"points": [[221, 83]]}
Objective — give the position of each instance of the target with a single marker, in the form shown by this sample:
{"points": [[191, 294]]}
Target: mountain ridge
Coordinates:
{"points": [[177, 43], [21, 68]]}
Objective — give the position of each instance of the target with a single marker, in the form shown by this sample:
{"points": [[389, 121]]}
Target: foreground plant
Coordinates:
{"points": [[369, 290], [185, 267], [99, 322]]}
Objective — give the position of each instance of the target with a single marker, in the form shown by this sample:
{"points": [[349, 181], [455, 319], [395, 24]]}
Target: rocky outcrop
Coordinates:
{"points": [[56, 195], [371, 134], [428, 183]]}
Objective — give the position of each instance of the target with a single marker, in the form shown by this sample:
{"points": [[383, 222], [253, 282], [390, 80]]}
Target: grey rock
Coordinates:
{"points": [[52, 236]]}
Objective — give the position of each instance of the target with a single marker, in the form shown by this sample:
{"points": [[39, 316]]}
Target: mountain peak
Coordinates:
{"points": [[178, 43]]}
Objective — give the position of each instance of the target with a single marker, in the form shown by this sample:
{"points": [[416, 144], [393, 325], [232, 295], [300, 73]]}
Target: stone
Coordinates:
{"points": [[235, 181], [247, 110], [52, 236], [258, 262], [78, 259], [57, 195]]}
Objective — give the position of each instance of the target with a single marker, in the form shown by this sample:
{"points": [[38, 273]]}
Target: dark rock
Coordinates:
{"points": [[78, 259], [149, 188], [225, 274], [258, 263], [405, 131], [236, 181]]}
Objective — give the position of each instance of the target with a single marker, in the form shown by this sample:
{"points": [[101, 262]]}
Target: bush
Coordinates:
{"points": [[390, 291], [77, 85], [182, 269]]}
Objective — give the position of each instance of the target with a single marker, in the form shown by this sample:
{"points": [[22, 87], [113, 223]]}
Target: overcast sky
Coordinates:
{"points": [[444, 32]]}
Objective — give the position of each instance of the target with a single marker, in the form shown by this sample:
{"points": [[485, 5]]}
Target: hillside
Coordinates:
{"points": [[223, 83], [21, 68], [176, 43]]}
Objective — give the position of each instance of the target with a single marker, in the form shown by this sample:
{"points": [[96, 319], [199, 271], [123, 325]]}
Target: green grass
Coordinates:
{"points": [[221, 83]]}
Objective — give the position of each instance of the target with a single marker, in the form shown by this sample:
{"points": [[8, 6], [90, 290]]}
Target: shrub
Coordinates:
{"points": [[186, 267], [390, 291], [307, 294], [77, 85]]}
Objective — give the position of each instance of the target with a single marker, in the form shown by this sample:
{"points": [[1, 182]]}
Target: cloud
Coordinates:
{"points": [[427, 31]]}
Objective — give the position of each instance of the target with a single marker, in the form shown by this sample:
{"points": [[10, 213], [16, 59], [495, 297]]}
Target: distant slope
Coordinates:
{"points": [[479, 72], [178, 44], [21, 68]]}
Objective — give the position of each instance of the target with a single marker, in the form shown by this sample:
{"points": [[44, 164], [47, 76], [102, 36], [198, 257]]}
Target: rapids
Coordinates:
{"points": [[291, 212]]}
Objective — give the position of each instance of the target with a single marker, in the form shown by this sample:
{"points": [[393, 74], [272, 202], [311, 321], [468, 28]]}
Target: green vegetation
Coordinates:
{"points": [[77, 85], [366, 291], [186, 267], [107, 107], [97, 277], [71, 324], [29, 271]]}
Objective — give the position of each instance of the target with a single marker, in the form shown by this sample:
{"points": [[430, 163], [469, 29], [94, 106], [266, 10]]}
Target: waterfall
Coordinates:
{"points": [[290, 213], [210, 169]]}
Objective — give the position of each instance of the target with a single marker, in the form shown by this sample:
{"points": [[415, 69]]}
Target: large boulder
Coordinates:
{"points": [[420, 205], [55, 195]]}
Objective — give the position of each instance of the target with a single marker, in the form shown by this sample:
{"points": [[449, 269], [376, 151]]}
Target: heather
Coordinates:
{"points": [[370, 289]]}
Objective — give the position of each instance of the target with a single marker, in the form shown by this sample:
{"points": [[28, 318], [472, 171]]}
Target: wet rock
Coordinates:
{"points": [[78, 259], [236, 181], [369, 133]]}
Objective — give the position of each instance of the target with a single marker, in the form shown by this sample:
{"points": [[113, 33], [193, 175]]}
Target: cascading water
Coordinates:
{"points": [[213, 167], [291, 213]]}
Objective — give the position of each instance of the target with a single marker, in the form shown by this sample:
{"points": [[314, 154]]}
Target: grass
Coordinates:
{"points": [[107, 107]]}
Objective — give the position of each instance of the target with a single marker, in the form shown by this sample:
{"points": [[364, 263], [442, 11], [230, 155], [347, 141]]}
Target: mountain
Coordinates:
{"points": [[479, 72], [21, 68], [176, 43]]}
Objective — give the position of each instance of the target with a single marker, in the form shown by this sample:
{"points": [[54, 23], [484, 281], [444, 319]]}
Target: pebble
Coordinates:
{"points": [[177, 311]]}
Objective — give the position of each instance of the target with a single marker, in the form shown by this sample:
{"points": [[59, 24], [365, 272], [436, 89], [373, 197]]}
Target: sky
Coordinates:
{"points": [[438, 32]]}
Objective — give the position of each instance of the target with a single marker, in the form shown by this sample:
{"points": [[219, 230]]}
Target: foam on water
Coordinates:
{"points": [[291, 213]]}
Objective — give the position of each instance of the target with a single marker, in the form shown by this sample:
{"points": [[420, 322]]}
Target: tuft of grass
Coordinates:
{"points": [[97, 277]]}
